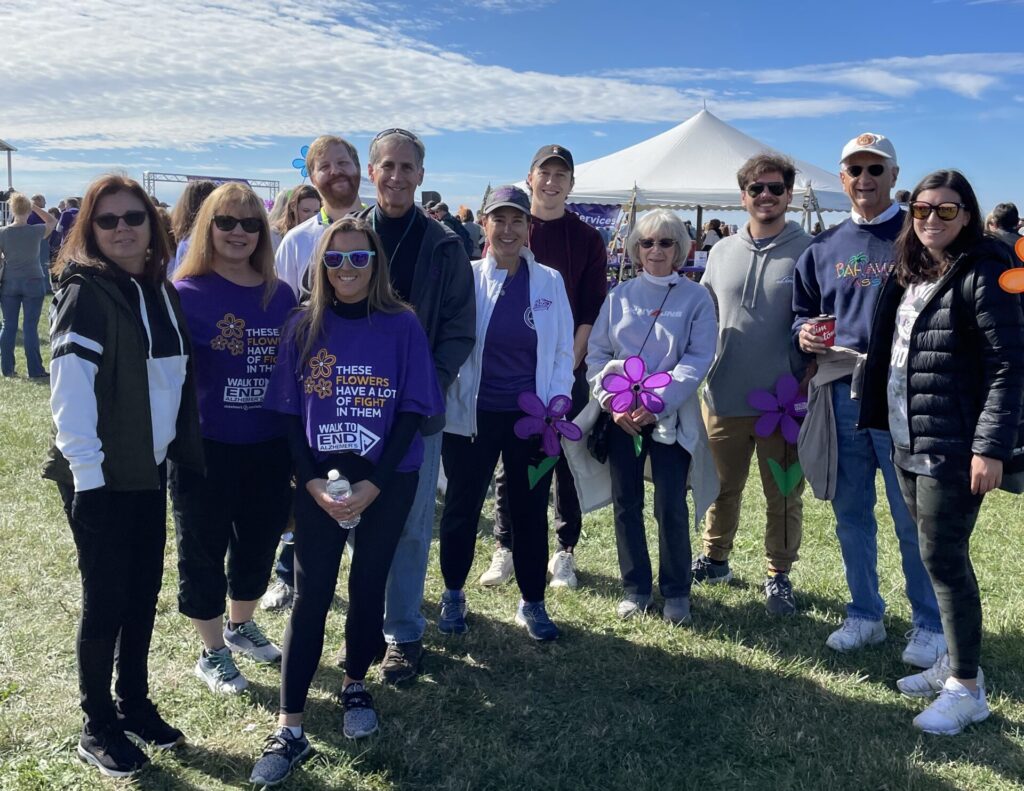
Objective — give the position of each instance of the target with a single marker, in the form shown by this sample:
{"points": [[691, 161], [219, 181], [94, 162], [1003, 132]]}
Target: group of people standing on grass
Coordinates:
{"points": [[370, 346]]}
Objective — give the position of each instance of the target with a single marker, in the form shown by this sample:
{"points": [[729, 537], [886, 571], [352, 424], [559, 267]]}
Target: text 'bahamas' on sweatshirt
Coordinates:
{"points": [[841, 274]]}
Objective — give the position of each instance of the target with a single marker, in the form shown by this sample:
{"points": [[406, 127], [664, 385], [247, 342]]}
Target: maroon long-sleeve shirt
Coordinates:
{"points": [[577, 251]]}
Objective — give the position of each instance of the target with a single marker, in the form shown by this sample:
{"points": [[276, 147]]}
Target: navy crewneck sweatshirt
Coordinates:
{"points": [[841, 273]]}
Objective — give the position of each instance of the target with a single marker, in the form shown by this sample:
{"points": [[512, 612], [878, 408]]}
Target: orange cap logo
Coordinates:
{"points": [[866, 139], [1012, 280]]}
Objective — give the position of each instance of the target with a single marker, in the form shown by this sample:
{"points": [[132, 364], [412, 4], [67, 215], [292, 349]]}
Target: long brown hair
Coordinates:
{"points": [[291, 211], [198, 260], [914, 264], [80, 246], [187, 208], [382, 296]]}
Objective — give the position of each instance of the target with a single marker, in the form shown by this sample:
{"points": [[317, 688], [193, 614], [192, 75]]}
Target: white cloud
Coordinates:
{"points": [[964, 74], [184, 76], [599, 133]]}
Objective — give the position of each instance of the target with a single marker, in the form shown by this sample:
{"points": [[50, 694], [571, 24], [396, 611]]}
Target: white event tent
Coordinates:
{"points": [[693, 165]]}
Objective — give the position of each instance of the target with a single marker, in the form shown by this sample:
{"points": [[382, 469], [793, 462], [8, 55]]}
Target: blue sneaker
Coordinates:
{"points": [[281, 753], [452, 619], [534, 617]]}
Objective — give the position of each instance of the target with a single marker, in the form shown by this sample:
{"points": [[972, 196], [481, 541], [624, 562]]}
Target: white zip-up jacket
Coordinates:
{"points": [[552, 318]]}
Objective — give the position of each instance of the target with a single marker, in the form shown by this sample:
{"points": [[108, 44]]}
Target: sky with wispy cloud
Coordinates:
{"points": [[236, 87]]}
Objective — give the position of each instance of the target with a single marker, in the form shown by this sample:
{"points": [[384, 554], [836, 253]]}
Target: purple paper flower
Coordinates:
{"points": [[635, 388], [785, 407], [548, 421]]}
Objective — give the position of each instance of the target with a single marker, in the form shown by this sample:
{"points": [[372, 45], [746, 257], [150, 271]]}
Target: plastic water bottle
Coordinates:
{"points": [[339, 489]]}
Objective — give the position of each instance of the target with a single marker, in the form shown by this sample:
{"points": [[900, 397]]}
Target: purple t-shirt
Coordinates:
{"points": [[358, 375], [235, 343], [509, 363], [65, 223]]}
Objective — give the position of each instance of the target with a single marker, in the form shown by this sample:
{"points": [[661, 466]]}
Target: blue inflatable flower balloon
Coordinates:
{"points": [[299, 163]]}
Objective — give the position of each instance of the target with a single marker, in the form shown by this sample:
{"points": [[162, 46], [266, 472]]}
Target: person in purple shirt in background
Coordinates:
{"points": [[524, 331], [67, 218], [355, 380], [183, 217], [235, 307]]}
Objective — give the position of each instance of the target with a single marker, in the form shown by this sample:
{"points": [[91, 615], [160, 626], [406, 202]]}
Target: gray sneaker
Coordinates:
{"points": [[281, 753], [676, 610], [218, 669], [360, 716], [706, 570], [634, 604], [248, 638]]}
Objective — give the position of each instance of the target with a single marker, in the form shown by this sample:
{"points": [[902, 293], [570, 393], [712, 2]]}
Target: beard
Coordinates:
{"points": [[340, 191]]}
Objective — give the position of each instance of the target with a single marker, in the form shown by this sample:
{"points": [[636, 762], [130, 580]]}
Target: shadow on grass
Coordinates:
{"points": [[495, 710]]}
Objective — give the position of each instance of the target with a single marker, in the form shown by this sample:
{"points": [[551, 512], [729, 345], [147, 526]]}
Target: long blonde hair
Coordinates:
{"points": [[382, 297], [198, 260]]}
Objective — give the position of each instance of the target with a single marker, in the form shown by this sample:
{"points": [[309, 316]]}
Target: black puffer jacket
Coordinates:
{"points": [[965, 366]]}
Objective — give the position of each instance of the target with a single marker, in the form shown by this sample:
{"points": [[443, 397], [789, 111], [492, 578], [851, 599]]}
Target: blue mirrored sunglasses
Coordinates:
{"points": [[359, 259]]}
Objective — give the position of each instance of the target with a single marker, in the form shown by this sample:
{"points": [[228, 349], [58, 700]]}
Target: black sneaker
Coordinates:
{"points": [[282, 752], [712, 572], [108, 749], [360, 716], [402, 661], [778, 591], [144, 724]]}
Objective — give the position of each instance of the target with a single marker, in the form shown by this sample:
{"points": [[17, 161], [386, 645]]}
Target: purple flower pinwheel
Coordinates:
{"points": [[635, 387], [785, 407], [548, 421]]}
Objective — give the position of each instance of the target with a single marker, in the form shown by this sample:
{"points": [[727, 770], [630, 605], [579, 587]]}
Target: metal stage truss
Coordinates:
{"points": [[150, 179]]}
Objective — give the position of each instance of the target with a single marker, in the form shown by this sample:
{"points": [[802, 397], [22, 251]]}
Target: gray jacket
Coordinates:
{"points": [[753, 293], [445, 302]]}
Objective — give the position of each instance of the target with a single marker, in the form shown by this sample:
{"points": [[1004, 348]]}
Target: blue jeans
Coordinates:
{"points": [[861, 453], [403, 621], [16, 297]]}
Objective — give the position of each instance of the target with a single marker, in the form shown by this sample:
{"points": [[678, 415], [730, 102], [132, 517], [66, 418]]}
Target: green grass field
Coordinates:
{"points": [[736, 701]]}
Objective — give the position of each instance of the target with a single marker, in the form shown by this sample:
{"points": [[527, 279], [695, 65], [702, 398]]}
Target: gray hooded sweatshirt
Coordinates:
{"points": [[753, 293]]}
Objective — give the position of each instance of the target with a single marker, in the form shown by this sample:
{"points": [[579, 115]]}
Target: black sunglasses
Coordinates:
{"points": [[227, 223], [946, 211], [776, 188], [647, 244], [854, 171], [395, 130], [360, 259], [108, 222]]}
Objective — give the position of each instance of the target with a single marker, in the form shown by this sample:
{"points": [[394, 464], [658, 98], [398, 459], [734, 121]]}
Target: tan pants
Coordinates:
{"points": [[733, 442]]}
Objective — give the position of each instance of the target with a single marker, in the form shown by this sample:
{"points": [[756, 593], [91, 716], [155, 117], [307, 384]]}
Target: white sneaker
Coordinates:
{"points": [[249, 639], [955, 708], [928, 682], [218, 669], [500, 570], [278, 596], [856, 633], [924, 648], [562, 568], [634, 605]]}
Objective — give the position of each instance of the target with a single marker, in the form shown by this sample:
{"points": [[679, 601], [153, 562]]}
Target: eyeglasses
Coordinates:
{"points": [[395, 130], [946, 211], [227, 223], [854, 171], [359, 259], [776, 188], [108, 222], [664, 244]]}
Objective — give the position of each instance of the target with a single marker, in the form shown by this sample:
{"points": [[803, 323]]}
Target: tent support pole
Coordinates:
{"points": [[700, 228]]}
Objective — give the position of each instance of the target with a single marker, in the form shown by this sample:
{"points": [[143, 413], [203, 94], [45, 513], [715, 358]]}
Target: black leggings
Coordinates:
{"points": [[238, 510], [469, 464], [319, 543], [946, 513], [120, 541]]}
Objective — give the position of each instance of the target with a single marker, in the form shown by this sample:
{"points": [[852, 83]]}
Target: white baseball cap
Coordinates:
{"points": [[870, 143]]}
